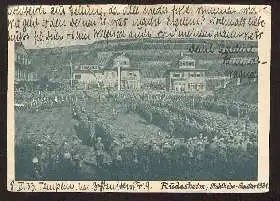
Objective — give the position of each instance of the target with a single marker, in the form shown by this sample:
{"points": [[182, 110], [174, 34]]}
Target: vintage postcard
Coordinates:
{"points": [[139, 98]]}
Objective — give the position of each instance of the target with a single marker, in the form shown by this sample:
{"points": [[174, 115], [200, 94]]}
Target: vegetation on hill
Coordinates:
{"points": [[143, 54], [243, 92]]}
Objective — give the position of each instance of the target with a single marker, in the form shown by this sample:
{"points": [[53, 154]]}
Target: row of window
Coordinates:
{"points": [[77, 76], [130, 84], [23, 60], [195, 74], [132, 74], [20, 74], [89, 67], [186, 63], [197, 86], [191, 86], [124, 62], [25, 75], [108, 74], [191, 74]]}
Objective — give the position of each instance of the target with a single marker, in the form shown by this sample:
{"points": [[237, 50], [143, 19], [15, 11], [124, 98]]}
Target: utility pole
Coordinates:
{"points": [[71, 73], [119, 77], [238, 112]]}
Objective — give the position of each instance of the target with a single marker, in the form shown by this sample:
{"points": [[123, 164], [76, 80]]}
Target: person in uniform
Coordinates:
{"points": [[200, 152], [135, 160], [36, 169], [77, 165], [66, 168], [115, 113], [166, 149], [91, 126], [99, 148], [44, 162], [190, 149], [116, 167], [171, 126], [115, 149], [155, 158]]}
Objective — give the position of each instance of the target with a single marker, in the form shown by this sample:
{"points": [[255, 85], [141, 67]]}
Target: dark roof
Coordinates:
{"points": [[19, 48], [83, 71], [23, 66], [110, 63], [188, 58], [186, 69], [122, 56], [126, 68], [19, 44], [101, 70]]}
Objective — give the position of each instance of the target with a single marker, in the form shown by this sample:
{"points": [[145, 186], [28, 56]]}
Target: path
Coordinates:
{"points": [[130, 124]]}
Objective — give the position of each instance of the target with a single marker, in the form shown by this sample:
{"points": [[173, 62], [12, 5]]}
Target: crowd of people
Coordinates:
{"points": [[40, 100], [198, 102], [222, 146]]}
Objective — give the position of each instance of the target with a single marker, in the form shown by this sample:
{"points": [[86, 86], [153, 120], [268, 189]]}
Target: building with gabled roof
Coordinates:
{"points": [[186, 77], [119, 73], [23, 69], [186, 62]]}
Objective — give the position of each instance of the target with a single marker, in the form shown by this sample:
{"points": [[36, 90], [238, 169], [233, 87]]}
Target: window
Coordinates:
{"points": [[193, 86], [84, 67], [197, 74], [77, 77], [176, 75], [201, 86], [191, 63]]}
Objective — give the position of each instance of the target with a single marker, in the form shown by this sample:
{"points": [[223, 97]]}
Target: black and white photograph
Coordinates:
{"points": [[140, 93]]}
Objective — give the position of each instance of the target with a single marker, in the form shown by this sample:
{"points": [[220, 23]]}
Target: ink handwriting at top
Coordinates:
{"points": [[137, 21]]}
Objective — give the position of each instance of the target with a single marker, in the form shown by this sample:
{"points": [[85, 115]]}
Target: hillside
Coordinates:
{"points": [[245, 93], [153, 56]]}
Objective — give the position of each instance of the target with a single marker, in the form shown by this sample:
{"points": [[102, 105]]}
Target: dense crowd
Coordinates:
{"points": [[198, 102], [223, 147], [40, 100]]}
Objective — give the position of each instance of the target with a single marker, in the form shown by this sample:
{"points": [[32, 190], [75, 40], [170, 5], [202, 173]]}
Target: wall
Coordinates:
{"points": [[104, 78], [186, 80], [130, 79]]}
